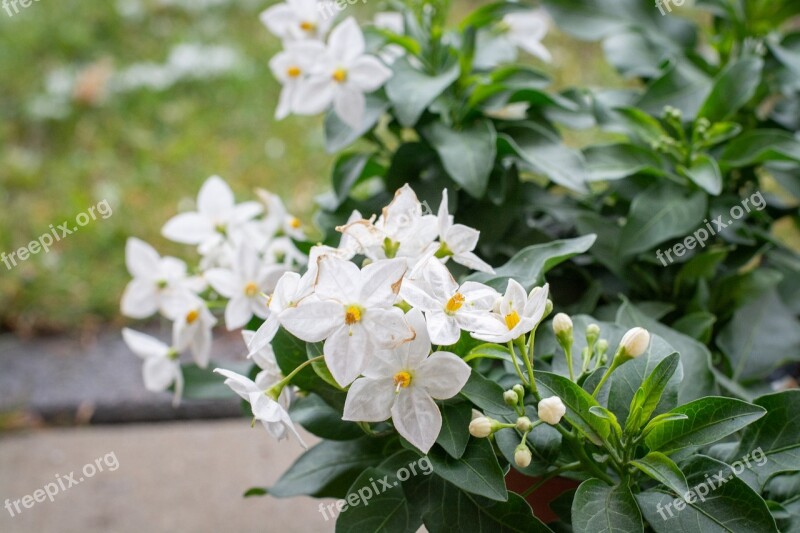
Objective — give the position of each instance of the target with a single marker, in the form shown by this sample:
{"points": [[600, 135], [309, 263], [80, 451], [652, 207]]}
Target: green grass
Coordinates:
{"points": [[146, 152]]}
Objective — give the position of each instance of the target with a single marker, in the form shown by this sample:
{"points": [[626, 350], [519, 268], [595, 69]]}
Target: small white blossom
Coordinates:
{"points": [[458, 241], [403, 383], [296, 20], [192, 330], [515, 314], [551, 410], [161, 366], [635, 342]]}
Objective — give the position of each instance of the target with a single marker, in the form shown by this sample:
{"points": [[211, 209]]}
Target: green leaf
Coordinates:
{"points": [[763, 335], [601, 508], [661, 212], [724, 507], [617, 161], [322, 420], [705, 173], [777, 435], [486, 395], [339, 135], [489, 14], [529, 265], [329, 468], [467, 155], [255, 491], [644, 126], [476, 471], [682, 86], [546, 154], [732, 89], [758, 146], [661, 468], [454, 434], [577, 401], [605, 414], [710, 419], [648, 396], [698, 325], [449, 509], [661, 419], [412, 91], [349, 171]]}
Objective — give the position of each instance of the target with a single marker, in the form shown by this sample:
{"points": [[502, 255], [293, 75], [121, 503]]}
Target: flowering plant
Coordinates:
{"points": [[394, 337]]}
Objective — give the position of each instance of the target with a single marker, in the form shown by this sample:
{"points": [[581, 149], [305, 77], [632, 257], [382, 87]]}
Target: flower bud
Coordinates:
{"points": [[548, 307], [480, 427], [634, 343], [562, 325], [522, 456], [520, 390], [511, 398], [592, 334], [524, 424], [551, 410]]}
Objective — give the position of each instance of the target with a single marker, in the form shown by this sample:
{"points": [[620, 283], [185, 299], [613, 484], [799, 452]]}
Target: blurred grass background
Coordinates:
{"points": [[146, 151]]}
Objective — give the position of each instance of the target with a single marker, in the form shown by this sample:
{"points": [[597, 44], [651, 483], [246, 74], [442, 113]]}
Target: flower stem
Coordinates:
{"points": [[529, 364], [276, 389], [516, 363]]}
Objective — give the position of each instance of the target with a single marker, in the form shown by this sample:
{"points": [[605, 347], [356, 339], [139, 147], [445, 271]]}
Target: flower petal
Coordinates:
{"points": [[140, 299], [346, 42], [314, 95], [380, 282], [313, 321], [369, 400], [141, 259], [239, 384], [215, 198], [238, 312], [349, 103], [337, 280], [188, 228], [368, 73], [386, 327], [347, 352], [443, 328], [417, 418], [442, 375], [158, 373], [224, 282], [143, 345]]}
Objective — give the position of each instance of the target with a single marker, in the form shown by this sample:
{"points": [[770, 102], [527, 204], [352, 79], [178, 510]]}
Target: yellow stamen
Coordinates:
{"points": [[402, 380], [295, 223], [192, 316], [293, 71], [340, 75], [352, 315], [251, 289], [308, 26], [454, 303], [512, 319]]}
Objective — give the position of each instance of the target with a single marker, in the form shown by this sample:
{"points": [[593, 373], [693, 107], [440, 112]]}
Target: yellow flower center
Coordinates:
{"points": [[352, 315], [192, 316], [295, 223], [308, 26], [293, 71], [251, 289], [454, 303], [340, 75], [402, 380], [512, 319]]}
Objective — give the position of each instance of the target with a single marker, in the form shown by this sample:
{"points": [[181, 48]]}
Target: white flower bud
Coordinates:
{"points": [[634, 343], [522, 456], [480, 427], [510, 397], [551, 410], [524, 424], [562, 324], [592, 334]]}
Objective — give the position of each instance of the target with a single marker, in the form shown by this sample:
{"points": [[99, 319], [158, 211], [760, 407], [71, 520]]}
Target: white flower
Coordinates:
{"points": [[448, 308], [515, 314], [158, 284], [291, 67], [342, 76], [289, 291], [192, 330], [402, 230], [403, 384], [296, 20], [634, 343], [551, 410], [278, 219], [266, 410], [161, 367], [270, 373], [216, 217], [354, 313], [458, 241], [245, 285], [527, 29]]}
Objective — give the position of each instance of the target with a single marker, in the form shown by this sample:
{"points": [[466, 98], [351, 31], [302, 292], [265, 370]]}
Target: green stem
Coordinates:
{"points": [[276, 389], [568, 353], [516, 364], [603, 380], [529, 365]]}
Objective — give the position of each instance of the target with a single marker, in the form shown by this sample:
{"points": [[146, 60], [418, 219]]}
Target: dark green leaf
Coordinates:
{"points": [[732, 89], [412, 91], [477, 471], [467, 155], [454, 434], [601, 508]]}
